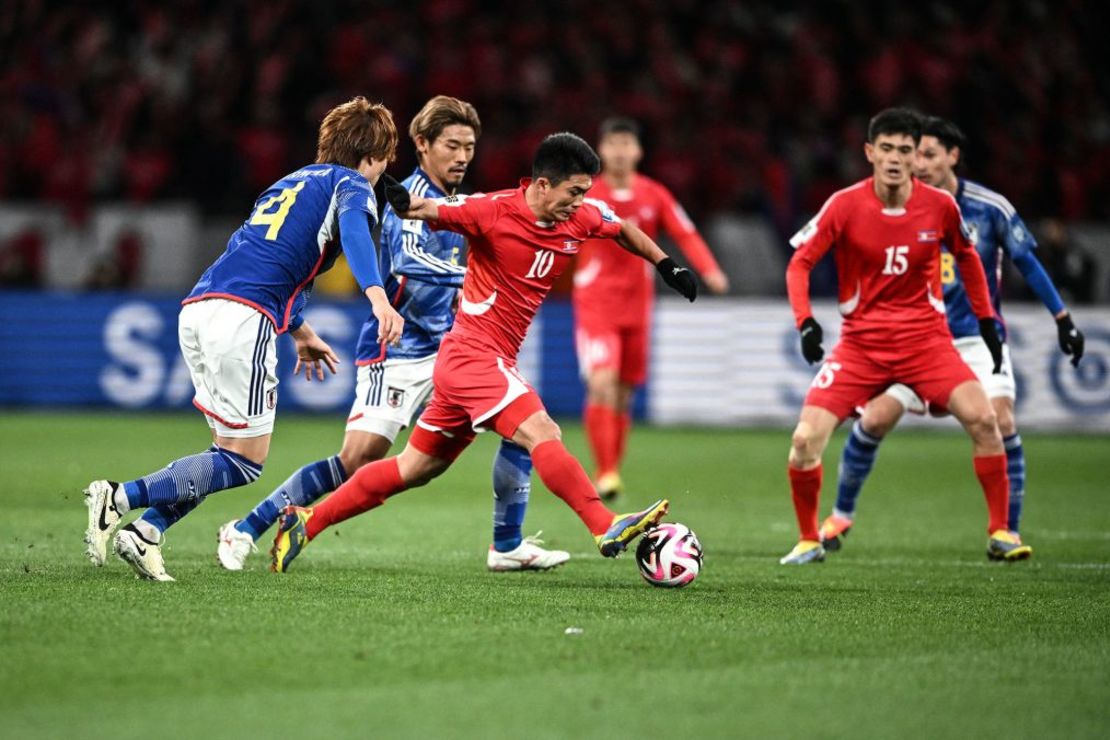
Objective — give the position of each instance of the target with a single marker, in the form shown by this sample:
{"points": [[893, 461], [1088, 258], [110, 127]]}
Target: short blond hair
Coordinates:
{"points": [[356, 129], [439, 113]]}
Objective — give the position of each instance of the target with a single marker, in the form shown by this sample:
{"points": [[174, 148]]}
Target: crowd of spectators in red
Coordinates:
{"points": [[755, 107]]}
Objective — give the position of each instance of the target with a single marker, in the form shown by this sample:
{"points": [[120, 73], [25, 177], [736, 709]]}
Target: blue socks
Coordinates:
{"points": [[192, 477], [301, 489], [856, 462], [178, 488], [512, 482], [1015, 470]]}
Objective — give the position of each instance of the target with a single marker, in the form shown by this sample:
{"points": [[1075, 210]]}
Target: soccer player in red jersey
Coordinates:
{"points": [[520, 240], [614, 292], [888, 230]]}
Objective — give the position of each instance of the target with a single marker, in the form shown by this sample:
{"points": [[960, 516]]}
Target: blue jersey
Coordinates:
{"points": [[997, 231], [292, 235], [422, 275]]}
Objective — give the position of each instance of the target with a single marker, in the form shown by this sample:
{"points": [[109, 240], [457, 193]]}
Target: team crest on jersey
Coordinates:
{"points": [[928, 235], [570, 245], [395, 397], [271, 399]]}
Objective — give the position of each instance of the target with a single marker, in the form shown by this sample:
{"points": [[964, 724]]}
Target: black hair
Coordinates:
{"points": [[564, 154], [618, 125], [895, 121], [947, 133]]}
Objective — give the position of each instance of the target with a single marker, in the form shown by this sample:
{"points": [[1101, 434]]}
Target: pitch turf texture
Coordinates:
{"points": [[390, 626]]}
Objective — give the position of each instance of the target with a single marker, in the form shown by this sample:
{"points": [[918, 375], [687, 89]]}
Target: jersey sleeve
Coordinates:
{"points": [[355, 194], [810, 244], [603, 223], [470, 215], [676, 223], [1020, 245], [406, 240], [957, 236]]}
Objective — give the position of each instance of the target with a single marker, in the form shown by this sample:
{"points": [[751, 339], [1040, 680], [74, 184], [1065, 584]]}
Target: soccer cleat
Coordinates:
{"points": [[832, 529], [627, 527], [528, 555], [233, 546], [609, 486], [290, 539], [104, 517], [1007, 546], [144, 556], [806, 551]]}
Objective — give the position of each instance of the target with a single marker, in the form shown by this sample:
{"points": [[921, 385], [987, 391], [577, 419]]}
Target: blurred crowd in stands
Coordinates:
{"points": [[748, 107]]}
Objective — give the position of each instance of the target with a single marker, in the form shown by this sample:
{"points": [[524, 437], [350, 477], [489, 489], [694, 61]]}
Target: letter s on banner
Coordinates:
{"points": [[134, 378]]}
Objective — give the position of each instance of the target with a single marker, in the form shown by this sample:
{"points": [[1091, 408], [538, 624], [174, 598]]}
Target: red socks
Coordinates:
{"points": [[368, 488], [561, 473], [603, 430], [991, 472], [805, 488]]}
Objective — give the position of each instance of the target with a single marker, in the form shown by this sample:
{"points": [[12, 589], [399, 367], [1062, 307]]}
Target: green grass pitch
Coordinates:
{"points": [[390, 626]]}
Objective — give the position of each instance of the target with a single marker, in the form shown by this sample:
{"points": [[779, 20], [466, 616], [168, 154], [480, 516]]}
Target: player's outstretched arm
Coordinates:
{"points": [[313, 353], [678, 278], [406, 204]]}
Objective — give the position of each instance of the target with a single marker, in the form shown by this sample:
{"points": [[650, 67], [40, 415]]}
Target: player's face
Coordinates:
{"points": [[892, 157], [935, 163], [446, 159], [372, 169], [620, 152], [559, 202]]}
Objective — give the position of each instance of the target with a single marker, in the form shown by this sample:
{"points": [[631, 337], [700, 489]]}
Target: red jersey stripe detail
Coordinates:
{"points": [[306, 281]]}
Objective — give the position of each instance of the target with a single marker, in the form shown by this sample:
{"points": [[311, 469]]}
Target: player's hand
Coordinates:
{"points": [[313, 353], [717, 282], [988, 329], [390, 324], [678, 278], [396, 194], [811, 340], [1071, 339]]}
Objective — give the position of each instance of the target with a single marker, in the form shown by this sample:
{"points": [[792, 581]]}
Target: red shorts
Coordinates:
{"points": [[473, 390], [853, 374], [607, 346]]}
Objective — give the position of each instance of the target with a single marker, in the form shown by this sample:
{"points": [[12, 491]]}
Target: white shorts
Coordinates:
{"points": [[389, 394], [974, 352], [230, 351]]}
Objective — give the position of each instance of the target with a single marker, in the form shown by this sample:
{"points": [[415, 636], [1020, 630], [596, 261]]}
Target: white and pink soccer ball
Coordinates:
{"points": [[669, 556]]}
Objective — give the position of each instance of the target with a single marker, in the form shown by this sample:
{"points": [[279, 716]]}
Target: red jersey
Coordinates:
{"points": [[513, 261], [887, 261], [616, 285]]}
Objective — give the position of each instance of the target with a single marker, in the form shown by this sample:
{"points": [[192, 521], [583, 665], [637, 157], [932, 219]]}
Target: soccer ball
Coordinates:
{"points": [[669, 556]]}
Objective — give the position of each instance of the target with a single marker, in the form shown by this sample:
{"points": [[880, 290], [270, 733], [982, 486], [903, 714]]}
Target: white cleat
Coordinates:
{"points": [[104, 517], [806, 551], [233, 546], [144, 556], [528, 555]]}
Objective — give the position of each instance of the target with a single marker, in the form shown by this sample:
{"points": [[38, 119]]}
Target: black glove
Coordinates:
{"points": [[678, 278], [988, 329], [811, 340], [396, 194], [1071, 339]]}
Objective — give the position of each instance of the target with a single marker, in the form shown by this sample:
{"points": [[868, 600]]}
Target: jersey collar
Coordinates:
{"points": [[433, 189]]}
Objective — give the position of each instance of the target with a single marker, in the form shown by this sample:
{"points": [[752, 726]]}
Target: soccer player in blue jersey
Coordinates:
{"points": [[999, 231], [422, 277], [255, 290]]}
